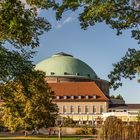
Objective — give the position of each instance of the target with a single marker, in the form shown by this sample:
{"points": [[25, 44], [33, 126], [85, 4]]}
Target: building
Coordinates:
{"points": [[79, 92]]}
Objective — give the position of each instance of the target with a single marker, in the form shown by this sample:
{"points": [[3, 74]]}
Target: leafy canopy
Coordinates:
{"points": [[28, 102], [27, 97], [127, 68], [20, 26], [13, 63]]}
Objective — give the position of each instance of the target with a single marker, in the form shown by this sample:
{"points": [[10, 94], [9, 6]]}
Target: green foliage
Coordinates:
{"points": [[117, 97], [68, 122], [118, 14], [111, 128], [114, 128], [138, 117], [43, 4], [27, 97], [28, 102], [13, 63], [86, 131], [20, 26], [126, 68]]}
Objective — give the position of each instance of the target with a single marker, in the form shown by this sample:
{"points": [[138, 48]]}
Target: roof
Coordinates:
{"points": [[124, 106], [133, 106], [62, 64], [78, 89]]}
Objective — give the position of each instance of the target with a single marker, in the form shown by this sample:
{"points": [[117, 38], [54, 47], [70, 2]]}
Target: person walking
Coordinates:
{"points": [[60, 133]]}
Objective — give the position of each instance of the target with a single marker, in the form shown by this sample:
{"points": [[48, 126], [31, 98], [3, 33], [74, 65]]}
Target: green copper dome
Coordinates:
{"points": [[62, 64]]}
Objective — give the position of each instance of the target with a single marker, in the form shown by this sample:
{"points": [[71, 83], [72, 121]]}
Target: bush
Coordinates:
{"points": [[86, 131]]}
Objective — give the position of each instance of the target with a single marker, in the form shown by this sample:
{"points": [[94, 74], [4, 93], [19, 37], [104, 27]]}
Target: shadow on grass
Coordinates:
{"points": [[42, 137]]}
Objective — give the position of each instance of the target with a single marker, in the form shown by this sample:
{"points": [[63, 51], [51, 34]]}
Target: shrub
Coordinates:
{"points": [[86, 131]]}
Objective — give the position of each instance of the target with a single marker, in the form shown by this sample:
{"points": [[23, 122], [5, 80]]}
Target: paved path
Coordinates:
{"points": [[89, 139]]}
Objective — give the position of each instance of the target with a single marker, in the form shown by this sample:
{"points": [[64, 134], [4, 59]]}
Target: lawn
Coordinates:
{"points": [[47, 138]]}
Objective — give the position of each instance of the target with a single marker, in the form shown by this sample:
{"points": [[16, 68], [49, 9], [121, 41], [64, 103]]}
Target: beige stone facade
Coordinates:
{"points": [[83, 112], [82, 107]]}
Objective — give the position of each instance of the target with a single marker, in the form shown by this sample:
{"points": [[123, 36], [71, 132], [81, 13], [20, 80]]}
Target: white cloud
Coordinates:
{"points": [[61, 24], [58, 25], [67, 20]]}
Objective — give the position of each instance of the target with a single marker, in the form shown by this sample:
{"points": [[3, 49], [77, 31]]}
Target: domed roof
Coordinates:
{"points": [[62, 64]]}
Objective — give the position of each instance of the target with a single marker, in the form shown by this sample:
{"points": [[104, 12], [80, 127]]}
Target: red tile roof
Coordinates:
{"points": [[124, 106], [78, 89]]}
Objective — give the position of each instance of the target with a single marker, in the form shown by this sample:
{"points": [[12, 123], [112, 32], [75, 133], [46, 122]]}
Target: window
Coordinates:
{"points": [[77, 74], [57, 97], [71, 109], [52, 73], [79, 110], [94, 109], [79, 97], [86, 109], [101, 108], [72, 97], [87, 97], [64, 110], [65, 97], [94, 97], [65, 73]]}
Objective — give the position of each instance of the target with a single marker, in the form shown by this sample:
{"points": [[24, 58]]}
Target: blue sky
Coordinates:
{"points": [[98, 46]]}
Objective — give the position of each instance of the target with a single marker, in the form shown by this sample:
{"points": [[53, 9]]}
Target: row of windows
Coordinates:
{"points": [[66, 73], [78, 110], [76, 97]]}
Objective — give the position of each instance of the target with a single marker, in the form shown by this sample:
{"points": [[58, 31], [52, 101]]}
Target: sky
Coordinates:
{"points": [[98, 46]]}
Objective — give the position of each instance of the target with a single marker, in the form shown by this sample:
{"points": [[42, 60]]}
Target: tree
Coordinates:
{"points": [[116, 97], [138, 117], [126, 68], [28, 102], [112, 128], [118, 14], [27, 97], [119, 97], [19, 28], [68, 122], [13, 63]]}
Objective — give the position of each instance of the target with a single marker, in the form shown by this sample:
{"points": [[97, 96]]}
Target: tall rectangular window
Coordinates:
{"points": [[64, 109], [71, 109], [79, 110], [101, 109], [94, 109], [86, 109]]}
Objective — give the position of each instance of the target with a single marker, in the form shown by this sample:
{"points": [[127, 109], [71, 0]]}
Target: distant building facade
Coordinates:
{"points": [[79, 92]]}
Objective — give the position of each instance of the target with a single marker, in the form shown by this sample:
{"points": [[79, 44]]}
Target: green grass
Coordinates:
{"points": [[47, 138]]}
